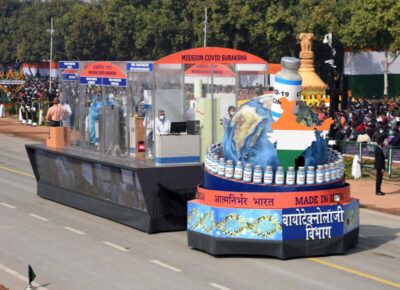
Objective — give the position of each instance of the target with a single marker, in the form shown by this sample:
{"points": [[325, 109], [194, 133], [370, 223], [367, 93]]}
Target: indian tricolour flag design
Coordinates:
{"points": [[292, 138]]}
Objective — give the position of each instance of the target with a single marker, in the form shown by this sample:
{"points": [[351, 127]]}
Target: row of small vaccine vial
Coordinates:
{"points": [[322, 174], [217, 149]]}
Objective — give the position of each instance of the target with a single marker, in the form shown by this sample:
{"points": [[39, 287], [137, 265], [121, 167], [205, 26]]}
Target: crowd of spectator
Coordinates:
{"points": [[33, 97], [38, 88], [365, 120]]}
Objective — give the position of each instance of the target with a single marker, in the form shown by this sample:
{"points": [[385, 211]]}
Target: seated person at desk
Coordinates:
{"points": [[162, 124]]}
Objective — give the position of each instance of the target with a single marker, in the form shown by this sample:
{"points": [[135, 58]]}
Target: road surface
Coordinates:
{"points": [[70, 249]]}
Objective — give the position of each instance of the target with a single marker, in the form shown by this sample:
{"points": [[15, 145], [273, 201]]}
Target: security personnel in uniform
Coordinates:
{"points": [[379, 166]]}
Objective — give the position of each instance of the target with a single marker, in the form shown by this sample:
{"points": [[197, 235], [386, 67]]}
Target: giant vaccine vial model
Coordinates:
{"points": [[273, 187]]}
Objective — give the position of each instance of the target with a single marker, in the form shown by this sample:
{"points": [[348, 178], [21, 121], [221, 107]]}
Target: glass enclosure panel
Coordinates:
{"points": [[210, 89], [253, 81], [104, 108], [69, 97], [114, 122], [169, 99], [169, 93], [91, 103], [141, 88]]}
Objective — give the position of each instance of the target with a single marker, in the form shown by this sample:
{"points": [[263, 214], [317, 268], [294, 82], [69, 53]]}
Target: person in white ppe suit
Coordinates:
{"points": [[162, 124], [66, 121]]}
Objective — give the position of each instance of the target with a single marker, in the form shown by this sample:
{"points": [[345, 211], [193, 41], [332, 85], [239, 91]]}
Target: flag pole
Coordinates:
{"points": [[31, 277]]}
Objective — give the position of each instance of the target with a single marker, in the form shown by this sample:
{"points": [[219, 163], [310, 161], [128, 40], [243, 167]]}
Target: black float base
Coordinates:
{"points": [[131, 217], [278, 249], [135, 193]]}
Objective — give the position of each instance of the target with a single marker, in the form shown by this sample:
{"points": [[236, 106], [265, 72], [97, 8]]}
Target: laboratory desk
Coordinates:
{"points": [[177, 149]]}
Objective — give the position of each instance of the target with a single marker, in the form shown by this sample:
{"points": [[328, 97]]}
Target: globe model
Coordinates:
{"points": [[247, 137]]}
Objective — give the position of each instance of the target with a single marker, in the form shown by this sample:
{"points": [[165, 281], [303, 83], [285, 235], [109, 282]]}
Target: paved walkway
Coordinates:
{"points": [[363, 189], [11, 126]]}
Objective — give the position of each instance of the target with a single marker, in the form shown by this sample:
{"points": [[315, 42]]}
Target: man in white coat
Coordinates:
{"points": [[162, 124]]}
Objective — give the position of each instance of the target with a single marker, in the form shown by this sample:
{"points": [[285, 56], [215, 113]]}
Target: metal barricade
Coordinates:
{"points": [[394, 162], [366, 151]]}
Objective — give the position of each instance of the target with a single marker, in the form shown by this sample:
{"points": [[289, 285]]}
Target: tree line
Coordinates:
{"points": [[151, 29]]}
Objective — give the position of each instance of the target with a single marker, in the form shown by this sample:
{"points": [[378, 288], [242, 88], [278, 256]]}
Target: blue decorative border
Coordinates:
{"points": [[287, 82], [181, 159]]}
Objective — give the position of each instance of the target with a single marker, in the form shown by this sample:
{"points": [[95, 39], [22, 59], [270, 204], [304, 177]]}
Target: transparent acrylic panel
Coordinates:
{"points": [[139, 85], [168, 97], [169, 94], [69, 97], [209, 91], [113, 124], [91, 104], [253, 81], [140, 89]]}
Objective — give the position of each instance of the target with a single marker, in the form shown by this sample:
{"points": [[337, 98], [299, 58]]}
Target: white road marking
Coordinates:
{"points": [[74, 230], [8, 205], [215, 285], [362, 236], [20, 277], [169, 267], [115, 246], [38, 217]]}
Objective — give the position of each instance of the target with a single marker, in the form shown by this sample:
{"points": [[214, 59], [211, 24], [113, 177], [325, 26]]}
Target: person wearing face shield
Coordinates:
{"points": [[162, 124], [226, 119]]}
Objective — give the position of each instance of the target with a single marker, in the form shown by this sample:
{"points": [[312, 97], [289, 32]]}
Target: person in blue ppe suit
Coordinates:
{"points": [[94, 114]]}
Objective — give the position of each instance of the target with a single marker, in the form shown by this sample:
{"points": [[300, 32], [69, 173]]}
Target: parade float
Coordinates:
{"points": [[273, 186], [112, 161]]}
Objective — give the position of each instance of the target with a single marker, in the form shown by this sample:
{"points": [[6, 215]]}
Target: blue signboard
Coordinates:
{"points": [[313, 223], [117, 82], [90, 81], [139, 67], [69, 77], [68, 64]]}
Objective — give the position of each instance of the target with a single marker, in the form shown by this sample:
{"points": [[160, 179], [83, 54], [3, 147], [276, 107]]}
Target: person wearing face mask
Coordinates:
{"points": [[162, 124], [380, 133], [228, 118]]}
